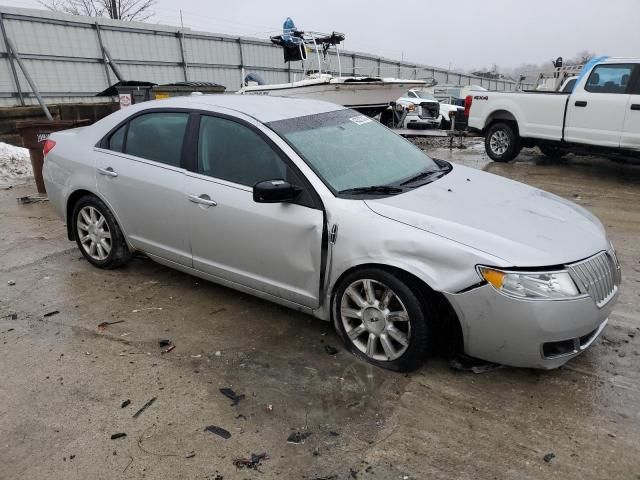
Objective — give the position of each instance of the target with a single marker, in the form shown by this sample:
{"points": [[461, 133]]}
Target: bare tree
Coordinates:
{"points": [[139, 10]]}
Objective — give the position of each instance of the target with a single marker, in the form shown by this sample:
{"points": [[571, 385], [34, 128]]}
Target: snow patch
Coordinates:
{"points": [[15, 164]]}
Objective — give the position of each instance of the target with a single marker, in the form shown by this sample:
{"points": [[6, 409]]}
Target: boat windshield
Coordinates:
{"points": [[352, 153]]}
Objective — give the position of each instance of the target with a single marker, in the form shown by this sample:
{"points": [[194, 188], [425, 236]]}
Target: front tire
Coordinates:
{"points": [[98, 235], [501, 142], [381, 319]]}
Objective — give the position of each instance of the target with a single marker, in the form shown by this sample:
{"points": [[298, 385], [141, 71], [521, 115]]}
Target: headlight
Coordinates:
{"points": [[532, 285]]}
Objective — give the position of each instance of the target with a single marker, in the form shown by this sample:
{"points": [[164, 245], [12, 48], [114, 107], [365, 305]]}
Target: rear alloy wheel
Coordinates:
{"points": [[98, 235], [501, 142], [382, 320]]}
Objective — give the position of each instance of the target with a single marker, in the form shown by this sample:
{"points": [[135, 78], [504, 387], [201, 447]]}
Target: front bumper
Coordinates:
{"points": [[413, 120], [525, 333]]}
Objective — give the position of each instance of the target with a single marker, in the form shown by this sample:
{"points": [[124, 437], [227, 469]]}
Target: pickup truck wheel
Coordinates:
{"points": [[551, 151], [381, 319], [502, 143]]}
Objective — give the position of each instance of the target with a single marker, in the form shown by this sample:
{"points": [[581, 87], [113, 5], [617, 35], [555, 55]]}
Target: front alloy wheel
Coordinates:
{"points": [[375, 320], [380, 318]]}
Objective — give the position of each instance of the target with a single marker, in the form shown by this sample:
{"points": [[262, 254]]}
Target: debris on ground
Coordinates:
{"points": [[549, 456], [168, 349], [32, 199], [11, 316], [221, 432], [145, 309], [115, 436], [190, 455], [333, 433], [126, 403], [327, 477], [330, 350], [229, 393], [298, 438], [103, 326], [11, 283], [51, 314], [253, 462], [464, 363], [270, 408], [166, 345], [144, 407]]}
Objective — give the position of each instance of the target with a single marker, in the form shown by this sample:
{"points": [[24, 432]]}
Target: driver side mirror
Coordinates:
{"points": [[275, 191]]}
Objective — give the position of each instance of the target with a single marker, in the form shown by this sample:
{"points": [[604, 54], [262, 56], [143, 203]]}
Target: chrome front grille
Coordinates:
{"points": [[599, 276]]}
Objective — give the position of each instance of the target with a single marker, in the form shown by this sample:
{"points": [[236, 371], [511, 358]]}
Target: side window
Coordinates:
{"points": [[157, 136], [233, 152], [410, 94], [116, 140], [609, 79]]}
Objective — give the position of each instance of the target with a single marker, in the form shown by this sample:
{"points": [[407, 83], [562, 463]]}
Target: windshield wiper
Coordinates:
{"points": [[382, 189], [425, 174]]}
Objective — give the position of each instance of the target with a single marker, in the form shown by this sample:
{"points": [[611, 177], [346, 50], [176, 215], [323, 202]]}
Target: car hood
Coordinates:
{"points": [[524, 226]]}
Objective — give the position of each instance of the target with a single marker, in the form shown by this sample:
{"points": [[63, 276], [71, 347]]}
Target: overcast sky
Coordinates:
{"points": [[462, 33]]}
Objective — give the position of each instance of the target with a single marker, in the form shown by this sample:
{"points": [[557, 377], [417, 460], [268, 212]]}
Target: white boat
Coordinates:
{"points": [[369, 95], [360, 93]]}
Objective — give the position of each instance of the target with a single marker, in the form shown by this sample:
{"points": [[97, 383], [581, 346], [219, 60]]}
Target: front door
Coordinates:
{"points": [[139, 174], [272, 248], [596, 113]]}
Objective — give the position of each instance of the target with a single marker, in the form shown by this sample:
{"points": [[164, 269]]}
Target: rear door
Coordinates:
{"points": [[631, 130], [275, 248], [596, 113], [140, 175]]}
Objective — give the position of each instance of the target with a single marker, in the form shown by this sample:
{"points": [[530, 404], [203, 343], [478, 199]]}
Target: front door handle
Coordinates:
{"points": [[203, 199], [109, 172], [581, 103], [635, 106]]}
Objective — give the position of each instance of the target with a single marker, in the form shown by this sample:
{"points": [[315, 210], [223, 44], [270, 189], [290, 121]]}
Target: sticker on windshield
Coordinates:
{"points": [[360, 119]]}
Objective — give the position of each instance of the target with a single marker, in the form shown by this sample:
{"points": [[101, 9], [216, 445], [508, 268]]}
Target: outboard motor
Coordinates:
{"points": [[253, 79]]}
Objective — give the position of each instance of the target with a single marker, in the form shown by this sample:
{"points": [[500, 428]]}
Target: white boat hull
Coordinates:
{"points": [[360, 94]]}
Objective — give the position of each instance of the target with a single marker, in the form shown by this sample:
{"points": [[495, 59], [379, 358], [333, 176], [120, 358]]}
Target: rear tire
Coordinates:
{"points": [[501, 142], [551, 151], [381, 319], [97, 234]]}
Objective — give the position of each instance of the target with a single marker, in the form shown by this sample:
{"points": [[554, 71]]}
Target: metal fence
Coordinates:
{"points": [[67, 58]]}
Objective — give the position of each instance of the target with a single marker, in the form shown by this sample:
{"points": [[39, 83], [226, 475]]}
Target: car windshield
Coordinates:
{"points": [[426, 96], [351, 151]]}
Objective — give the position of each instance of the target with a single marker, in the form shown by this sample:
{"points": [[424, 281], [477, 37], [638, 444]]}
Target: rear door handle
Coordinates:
{"points": [[203, 199], [581, 103], [109, 172], [635, 106]]}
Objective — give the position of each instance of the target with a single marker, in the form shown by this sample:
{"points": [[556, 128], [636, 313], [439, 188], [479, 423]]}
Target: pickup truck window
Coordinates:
{"points": [[609, 78]]}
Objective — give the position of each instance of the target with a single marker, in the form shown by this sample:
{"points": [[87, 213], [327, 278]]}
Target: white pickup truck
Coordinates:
{"points": [[601, 115]]}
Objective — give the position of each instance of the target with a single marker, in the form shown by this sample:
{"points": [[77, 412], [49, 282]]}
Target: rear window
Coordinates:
{"points": [[157, 136]]}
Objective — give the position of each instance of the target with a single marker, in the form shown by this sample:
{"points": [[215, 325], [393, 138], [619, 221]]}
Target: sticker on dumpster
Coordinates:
{"points": [[42, 137], [125, 100], [161, 95], [360, 120]]}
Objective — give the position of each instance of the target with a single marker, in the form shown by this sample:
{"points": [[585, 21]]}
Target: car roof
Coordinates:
{"points": [[265, 108]]}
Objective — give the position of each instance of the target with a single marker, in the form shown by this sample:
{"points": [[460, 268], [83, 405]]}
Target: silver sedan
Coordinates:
{"points": [[321, 209]]}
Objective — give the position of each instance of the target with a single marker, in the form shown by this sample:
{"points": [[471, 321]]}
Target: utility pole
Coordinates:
{"points": [[114, 9]]}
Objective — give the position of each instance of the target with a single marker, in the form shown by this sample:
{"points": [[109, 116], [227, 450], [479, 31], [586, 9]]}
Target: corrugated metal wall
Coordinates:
{"points": [[64, 57]]}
